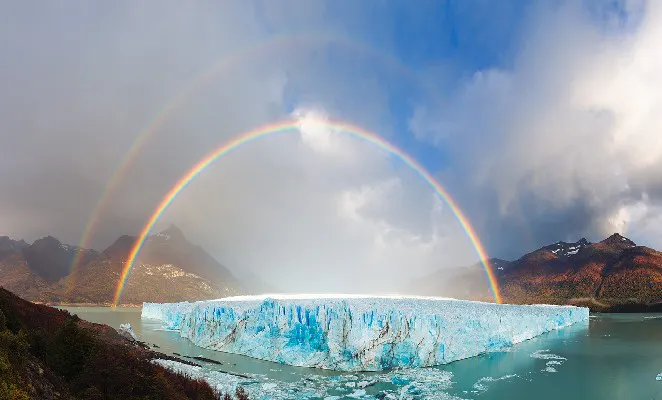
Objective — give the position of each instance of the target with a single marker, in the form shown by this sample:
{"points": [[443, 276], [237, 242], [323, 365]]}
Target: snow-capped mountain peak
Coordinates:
{"points": [[564, 249]]}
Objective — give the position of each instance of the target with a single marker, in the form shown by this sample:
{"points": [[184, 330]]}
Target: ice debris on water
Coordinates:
{"points": [[481, 386], [365, 384], [357, 394], [546, 355], [659, 377], [358, 333], [552, 359], [126, 331], [419, 383]]}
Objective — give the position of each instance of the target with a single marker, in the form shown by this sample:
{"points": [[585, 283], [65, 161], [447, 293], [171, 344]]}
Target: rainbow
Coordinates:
{"points": [[290, 125], [180, 98]]}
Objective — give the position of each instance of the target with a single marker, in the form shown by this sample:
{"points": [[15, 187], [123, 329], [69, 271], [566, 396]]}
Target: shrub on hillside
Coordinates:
{"points": [[13, 353], [42, 348]]}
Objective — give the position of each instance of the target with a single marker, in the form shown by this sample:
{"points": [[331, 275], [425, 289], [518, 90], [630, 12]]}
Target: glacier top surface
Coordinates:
{"points": [[322, 296], [357, 302]]}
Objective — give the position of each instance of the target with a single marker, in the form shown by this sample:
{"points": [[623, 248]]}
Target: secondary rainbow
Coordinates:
{"points": [[291, 125], [219, 67]]}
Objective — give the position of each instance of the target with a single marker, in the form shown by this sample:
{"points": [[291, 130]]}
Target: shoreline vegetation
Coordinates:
{"points": [[106, 305], [48, 353]]}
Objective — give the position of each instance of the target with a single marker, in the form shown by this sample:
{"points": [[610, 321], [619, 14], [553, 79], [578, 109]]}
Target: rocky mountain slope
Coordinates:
{"points": [[51, 259], [612, 275], [169, 268]]}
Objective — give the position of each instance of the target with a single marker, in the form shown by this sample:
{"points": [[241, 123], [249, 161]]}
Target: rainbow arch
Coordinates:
{"points": [[290, 125], [222, 65]]}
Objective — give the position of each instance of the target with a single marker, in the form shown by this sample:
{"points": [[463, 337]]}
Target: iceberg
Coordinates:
{"points": [[358, 333], [126, 331]]}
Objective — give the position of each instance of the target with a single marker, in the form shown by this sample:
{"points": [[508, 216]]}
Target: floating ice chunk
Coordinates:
{"points": [[545, 355], [357, 394], [126, 331], [359, 333], [480, 384], [364, 384], [549, 369], [659, 377]]}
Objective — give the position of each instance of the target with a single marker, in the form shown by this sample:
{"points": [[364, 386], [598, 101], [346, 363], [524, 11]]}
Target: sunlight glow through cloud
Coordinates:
{"points": [[314, 132]]}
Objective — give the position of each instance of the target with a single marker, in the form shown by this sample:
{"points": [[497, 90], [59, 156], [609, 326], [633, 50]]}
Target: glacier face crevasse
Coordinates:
{"points": [[359, 333]]}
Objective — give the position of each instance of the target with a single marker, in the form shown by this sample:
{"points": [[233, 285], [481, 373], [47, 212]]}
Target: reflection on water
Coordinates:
{"points": [[615, 356]]}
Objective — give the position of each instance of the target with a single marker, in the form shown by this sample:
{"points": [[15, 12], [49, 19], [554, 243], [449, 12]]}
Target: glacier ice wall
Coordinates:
{"points": [[358, 333]]}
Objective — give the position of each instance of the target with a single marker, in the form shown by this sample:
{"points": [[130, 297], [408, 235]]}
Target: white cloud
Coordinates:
{"points": [[573, 127], [367, 208], [352, 201]]}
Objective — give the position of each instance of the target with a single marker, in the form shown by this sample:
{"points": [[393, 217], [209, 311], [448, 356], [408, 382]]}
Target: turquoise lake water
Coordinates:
{"points": [[612, 356]]}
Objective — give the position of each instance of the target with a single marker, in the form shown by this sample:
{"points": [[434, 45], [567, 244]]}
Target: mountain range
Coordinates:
{"points": [[614, 274], [168, 268]]}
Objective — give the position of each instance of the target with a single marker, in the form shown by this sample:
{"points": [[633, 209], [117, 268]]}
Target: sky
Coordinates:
{"points": [[541, 119]]}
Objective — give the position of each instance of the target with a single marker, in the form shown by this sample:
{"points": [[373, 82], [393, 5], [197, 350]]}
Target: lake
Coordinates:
{"points": [[612, 356]]}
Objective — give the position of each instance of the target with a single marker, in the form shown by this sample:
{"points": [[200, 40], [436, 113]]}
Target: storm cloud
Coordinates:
{"points": [[565, 141]]}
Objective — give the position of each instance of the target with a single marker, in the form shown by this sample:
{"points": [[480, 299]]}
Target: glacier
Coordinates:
{"points": [[358, 333]]}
